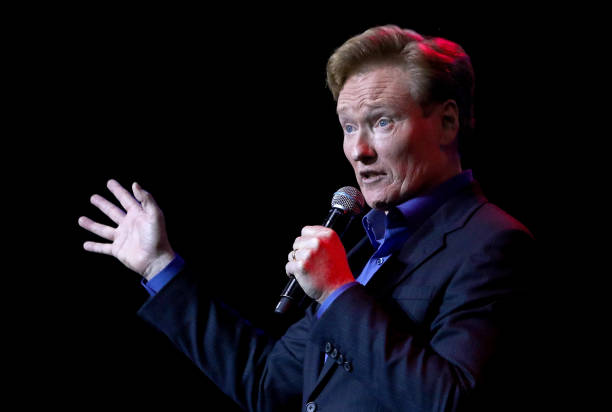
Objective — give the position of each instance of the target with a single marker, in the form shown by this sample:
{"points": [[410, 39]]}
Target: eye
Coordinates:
{"points": [[384, 122], [349, 128]]}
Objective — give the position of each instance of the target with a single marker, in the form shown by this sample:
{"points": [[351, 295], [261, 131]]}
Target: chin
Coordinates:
{"points": [[378, 203], [384, 201]]}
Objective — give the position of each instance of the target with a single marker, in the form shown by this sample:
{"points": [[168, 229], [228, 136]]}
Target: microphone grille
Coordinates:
{"points": [[348, 199]]}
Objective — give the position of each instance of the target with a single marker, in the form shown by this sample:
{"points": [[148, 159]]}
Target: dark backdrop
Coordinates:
{"points": [[227, 121]]}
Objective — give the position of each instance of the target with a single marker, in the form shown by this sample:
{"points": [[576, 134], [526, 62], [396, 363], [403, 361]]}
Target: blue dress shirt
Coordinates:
{"points": [[387, 233]]}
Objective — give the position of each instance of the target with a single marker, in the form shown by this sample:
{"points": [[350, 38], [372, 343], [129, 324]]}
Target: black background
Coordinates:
{"points": [[225, 118]]}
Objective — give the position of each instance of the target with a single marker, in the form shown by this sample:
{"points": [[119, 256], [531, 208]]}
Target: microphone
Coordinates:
{"points": [[346, 203]]}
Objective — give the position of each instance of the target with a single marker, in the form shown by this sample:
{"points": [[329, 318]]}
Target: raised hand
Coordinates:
{"points": [[139, 241]]}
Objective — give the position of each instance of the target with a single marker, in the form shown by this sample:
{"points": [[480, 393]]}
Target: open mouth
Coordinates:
{"points": [[370, 176]]}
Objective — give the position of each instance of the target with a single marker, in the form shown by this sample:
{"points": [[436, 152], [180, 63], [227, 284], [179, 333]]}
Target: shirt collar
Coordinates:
{"points": [[413, 212]]}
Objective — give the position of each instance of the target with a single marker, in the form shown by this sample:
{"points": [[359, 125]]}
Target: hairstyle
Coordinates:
{"points": [[438, 69]]}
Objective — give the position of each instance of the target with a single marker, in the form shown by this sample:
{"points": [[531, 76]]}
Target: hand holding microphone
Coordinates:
{"points": [[317, 264]]}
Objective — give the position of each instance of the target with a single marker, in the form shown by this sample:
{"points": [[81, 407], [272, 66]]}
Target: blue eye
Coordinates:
{"points": [[383, 122], [349, 129]]}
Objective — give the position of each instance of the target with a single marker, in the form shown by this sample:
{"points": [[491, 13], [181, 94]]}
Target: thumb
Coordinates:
{"points": [[145, 198]]}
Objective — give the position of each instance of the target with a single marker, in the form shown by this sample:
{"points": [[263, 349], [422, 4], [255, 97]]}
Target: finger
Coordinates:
{"points": [[109, 209], [291, 268], [314, 230], [104, 231], [123, 196], [306, 242], [96, 247], [293, 255], [297, 242], [145, 198]]}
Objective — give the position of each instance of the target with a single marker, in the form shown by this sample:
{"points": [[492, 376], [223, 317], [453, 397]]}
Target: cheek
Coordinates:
{"points": [[346, 150], [398, 158], [407, 149]]}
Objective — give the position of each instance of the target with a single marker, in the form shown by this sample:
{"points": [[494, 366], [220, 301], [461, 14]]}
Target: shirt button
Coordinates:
{"points": [[328, 347], [311, 407], [380, 261], [334, 353]]}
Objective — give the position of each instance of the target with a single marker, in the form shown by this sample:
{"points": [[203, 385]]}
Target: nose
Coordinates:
{"points": [[362, 149]]}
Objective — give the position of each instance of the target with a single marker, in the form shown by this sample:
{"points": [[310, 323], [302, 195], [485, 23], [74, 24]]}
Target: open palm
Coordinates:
{"points": [[139, 241]]}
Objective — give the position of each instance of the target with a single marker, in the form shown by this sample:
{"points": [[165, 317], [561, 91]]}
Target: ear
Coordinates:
{"points": [[449, 116]]}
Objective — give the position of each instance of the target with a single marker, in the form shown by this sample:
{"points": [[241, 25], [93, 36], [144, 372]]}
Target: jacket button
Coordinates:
{"points": [[334, 353], [328, 347], [348, 366], [340, 359], [311, 407]]}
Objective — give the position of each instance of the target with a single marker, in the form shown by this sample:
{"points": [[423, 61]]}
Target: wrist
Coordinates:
{"points": [[331, 292], [158, 264]]}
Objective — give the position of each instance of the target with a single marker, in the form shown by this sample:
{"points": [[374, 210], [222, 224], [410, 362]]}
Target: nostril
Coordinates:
{"points": [[364, 153]]}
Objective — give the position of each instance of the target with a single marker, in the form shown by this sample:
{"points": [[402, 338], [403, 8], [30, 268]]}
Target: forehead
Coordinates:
{"points": [[381, 86]]}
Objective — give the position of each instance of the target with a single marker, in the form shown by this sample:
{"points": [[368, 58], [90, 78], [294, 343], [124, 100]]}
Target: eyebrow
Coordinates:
{"points": [[373, 111], [371, 108]]}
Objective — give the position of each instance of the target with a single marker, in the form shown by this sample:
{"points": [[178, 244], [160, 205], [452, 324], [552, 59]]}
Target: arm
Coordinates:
{"points": [[257, 371]]}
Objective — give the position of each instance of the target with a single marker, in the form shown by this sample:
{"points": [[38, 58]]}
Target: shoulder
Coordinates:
{"points": [[471, 214], [483, 231], [490, 221]]}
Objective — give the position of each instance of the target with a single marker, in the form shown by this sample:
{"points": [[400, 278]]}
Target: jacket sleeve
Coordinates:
{"points": [[257, 371], [441, 365]]}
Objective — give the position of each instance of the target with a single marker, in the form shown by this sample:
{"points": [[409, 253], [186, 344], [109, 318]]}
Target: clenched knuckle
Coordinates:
{"points": [[299, 267], [316, 243]]}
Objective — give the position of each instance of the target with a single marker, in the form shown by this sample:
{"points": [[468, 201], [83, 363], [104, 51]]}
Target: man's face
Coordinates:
{"points": [[394, 150]]}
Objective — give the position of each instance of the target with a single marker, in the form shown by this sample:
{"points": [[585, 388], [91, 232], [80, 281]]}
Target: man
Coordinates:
{"points": [[420, 314]]}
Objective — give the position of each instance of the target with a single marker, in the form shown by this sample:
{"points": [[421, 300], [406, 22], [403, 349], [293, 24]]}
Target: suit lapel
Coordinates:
{"points": [[314, 385], [428, 240]]}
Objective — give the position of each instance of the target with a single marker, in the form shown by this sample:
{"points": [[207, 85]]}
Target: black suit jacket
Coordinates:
{"points": [[434, 329]]}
